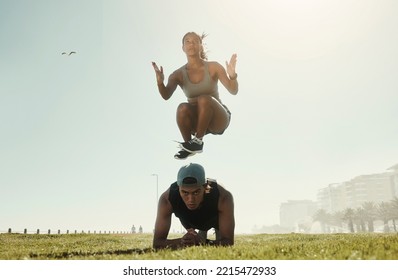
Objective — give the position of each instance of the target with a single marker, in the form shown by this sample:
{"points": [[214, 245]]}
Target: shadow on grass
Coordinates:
{"points": [[68, 255]]}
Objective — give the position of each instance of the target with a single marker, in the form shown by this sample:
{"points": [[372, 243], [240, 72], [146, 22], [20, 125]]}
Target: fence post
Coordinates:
{"points": [[9, 230], [38, 231], [25, 231], [49, 231]]}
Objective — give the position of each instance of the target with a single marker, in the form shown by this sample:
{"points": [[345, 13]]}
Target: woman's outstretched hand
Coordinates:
{"points": [[159, 73], [231, 66]]}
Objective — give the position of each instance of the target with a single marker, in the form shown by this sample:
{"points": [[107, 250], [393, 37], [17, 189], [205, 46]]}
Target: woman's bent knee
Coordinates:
{"points": [[184, 108]]}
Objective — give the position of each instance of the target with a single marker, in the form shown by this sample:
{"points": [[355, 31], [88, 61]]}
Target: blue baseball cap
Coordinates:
{"points": [[192, 174]]}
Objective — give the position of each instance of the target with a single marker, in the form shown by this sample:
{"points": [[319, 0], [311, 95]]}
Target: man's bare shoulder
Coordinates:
{"points": [[165, 195], [224, 193], [164, 203]]}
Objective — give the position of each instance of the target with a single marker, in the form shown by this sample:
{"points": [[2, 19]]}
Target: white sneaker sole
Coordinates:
{"points": [[192, 152]]}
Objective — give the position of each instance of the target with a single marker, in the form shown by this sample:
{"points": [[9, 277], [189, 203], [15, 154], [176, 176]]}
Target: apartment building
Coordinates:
{"points": [[364, 188]]}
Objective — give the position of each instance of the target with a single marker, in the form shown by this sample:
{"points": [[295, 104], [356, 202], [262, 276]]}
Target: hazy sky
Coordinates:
{"points": [[81, 135]]}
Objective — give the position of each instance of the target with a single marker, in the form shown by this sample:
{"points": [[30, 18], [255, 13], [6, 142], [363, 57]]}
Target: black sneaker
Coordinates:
{"points": [[193, 146], [182, 154]]}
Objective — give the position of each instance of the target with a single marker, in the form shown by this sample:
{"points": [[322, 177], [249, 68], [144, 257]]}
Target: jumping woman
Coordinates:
{"points": [[203, 112]]}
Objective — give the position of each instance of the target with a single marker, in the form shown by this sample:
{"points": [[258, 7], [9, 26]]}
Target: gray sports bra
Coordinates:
{"points": [[205, 87]]}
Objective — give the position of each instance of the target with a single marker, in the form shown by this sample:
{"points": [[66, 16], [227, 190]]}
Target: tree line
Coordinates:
{"points": [[360, 219]]}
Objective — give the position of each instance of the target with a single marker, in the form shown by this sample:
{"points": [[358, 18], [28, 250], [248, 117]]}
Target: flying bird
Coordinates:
{"points": [[69, 53]]}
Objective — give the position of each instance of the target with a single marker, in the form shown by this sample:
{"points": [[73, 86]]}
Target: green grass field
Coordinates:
{"points": [[376, 246]]}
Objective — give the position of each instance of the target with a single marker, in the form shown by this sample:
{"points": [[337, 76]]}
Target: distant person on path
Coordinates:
{"points": [[200, 204], [203, 112]]}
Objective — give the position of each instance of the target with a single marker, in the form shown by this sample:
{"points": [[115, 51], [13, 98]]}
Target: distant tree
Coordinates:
{"points": [[336, 219], [304, 225], [384, 213], [394, 211], [323, 218], [359, 219], [370, 214], [348, 215]]}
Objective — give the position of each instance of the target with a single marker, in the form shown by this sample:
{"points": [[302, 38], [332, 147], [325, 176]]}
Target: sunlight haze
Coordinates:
{"points": [[80, 135]]}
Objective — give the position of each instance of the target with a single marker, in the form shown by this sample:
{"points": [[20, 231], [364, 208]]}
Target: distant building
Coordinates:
{"points": [[295, 212], [394, 179], [332, 198], [364, 188]]}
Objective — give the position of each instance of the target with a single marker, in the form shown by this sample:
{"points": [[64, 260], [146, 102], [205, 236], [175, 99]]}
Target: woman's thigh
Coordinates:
{"points": [[221, 118], [187, 115]]}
